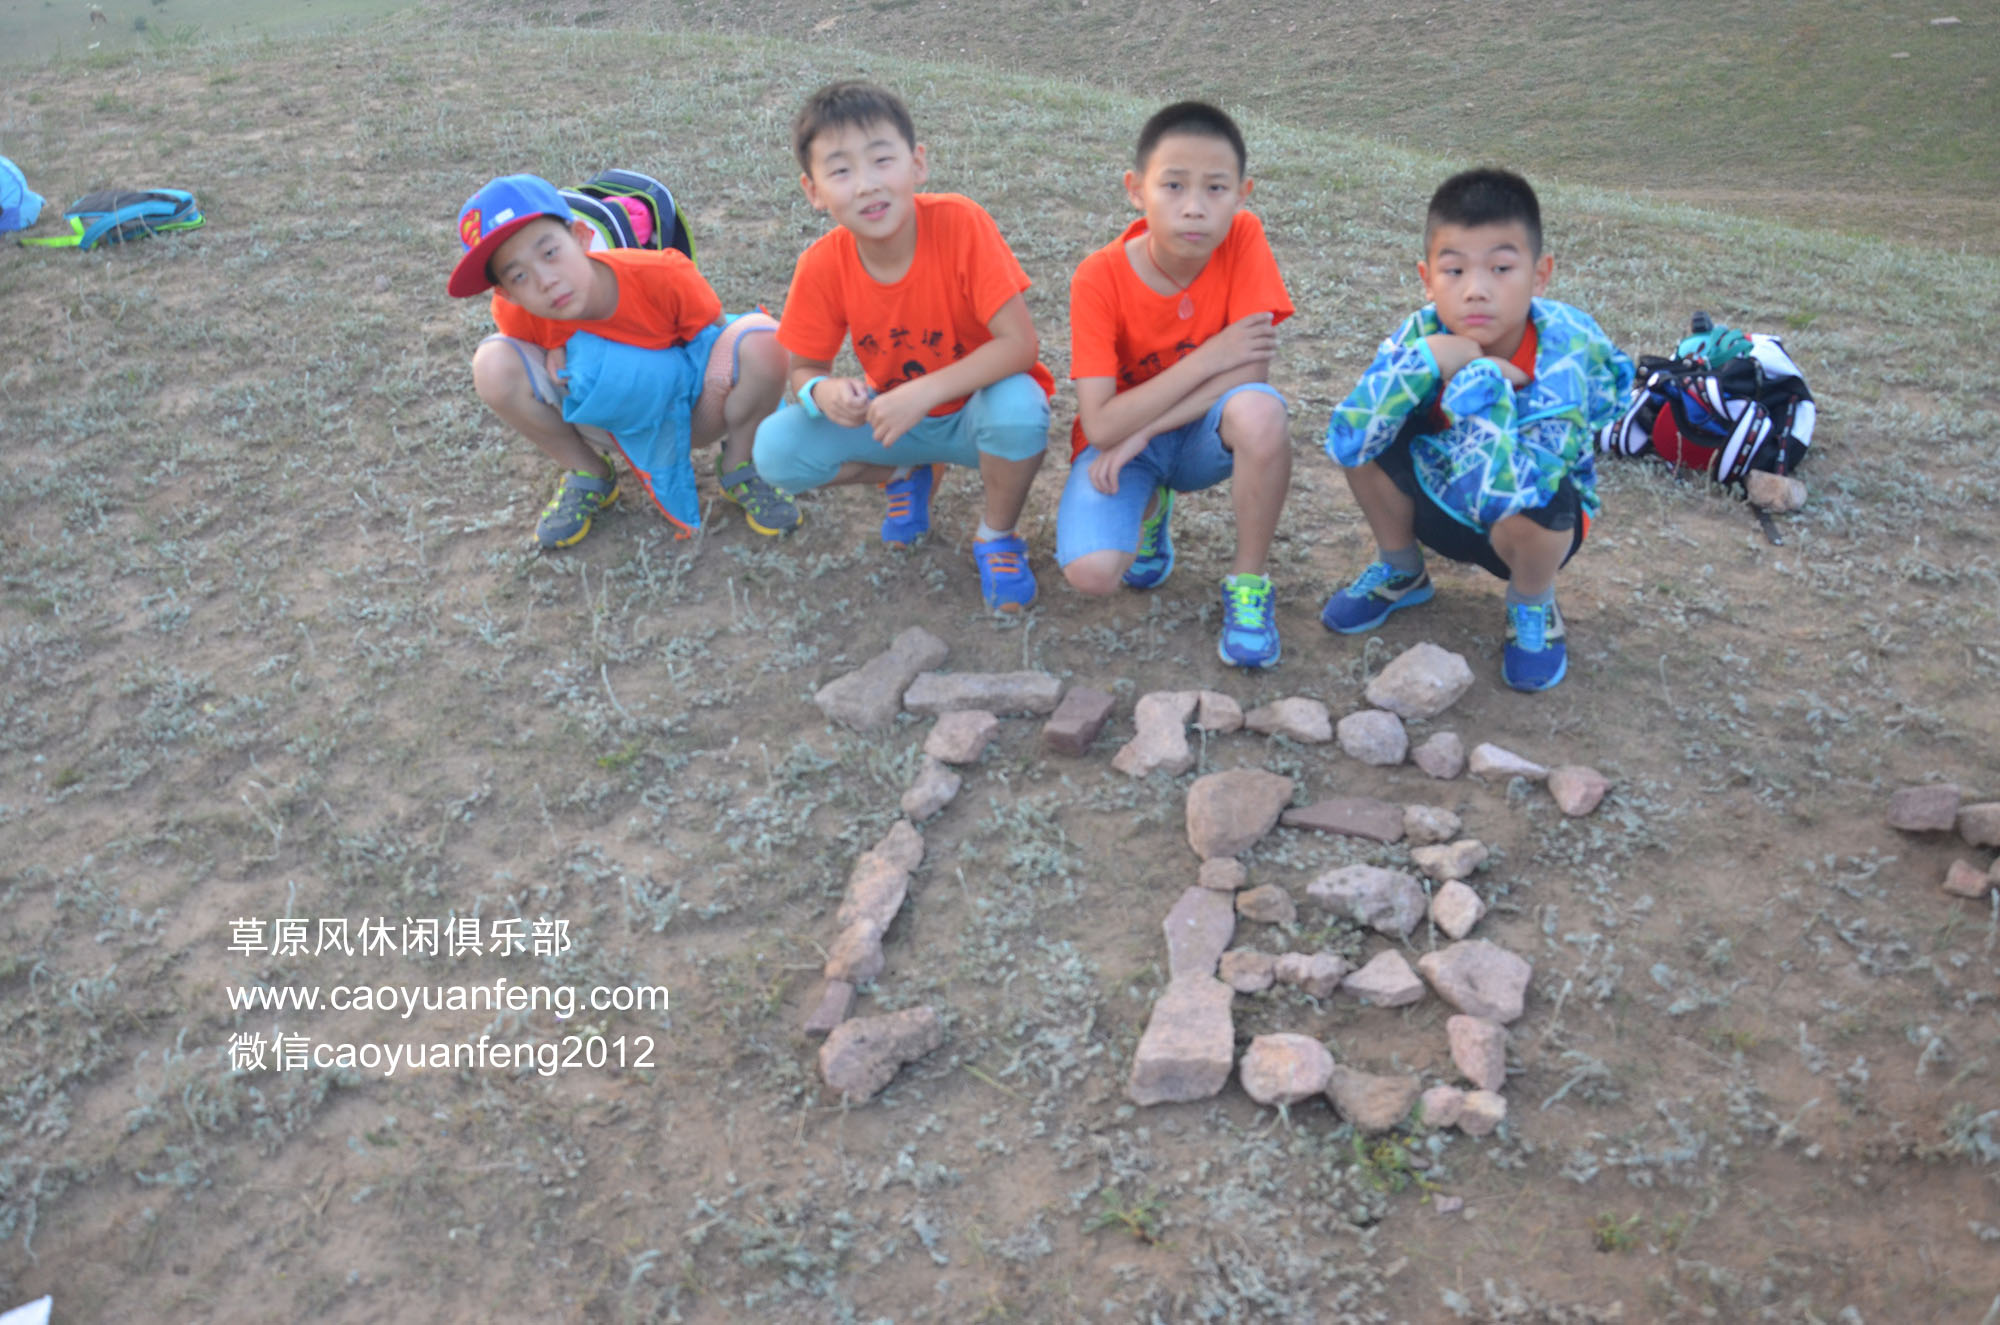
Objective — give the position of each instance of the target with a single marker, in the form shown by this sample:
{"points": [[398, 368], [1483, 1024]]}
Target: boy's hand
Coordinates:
{"points": [[1252, 339], [556, 359], [1105, 468], [843, 400], [899, 409], [1452, 352]]}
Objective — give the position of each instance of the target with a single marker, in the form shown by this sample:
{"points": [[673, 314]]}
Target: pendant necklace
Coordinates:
{"points": [[1186, 309]]}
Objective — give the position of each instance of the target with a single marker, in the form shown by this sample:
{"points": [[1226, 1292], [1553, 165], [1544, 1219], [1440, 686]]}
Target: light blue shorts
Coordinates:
{"points": [[1188, 459], [1008, 419]]}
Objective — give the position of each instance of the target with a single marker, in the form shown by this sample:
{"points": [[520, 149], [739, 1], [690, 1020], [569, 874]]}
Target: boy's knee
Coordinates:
{"points": [[1098, 574], [1254, 424], [497, 372], [761, 360]]}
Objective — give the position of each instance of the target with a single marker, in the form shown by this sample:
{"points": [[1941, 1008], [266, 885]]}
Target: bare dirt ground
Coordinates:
{"points": [[275, 644]]}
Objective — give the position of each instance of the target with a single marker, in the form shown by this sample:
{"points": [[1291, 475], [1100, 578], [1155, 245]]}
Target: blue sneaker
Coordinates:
{"points": [[1535, 657], [1149, 570], [909, 517], [1249, 625], [1005, 581], [1367, 603]]}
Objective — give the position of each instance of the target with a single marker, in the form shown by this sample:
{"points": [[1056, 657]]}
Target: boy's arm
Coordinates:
{"points": [[1111, 459], [1244, 346], [1012, 350]]}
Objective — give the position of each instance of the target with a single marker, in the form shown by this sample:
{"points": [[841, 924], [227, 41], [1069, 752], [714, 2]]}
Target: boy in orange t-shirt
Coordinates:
{"points": [[1172, 331], [929, 294]]}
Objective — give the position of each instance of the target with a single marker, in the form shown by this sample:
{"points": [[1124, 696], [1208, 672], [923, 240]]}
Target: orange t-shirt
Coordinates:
{"points": [[662, 302], [1523, 359], [1121, 328], [962, 273]]}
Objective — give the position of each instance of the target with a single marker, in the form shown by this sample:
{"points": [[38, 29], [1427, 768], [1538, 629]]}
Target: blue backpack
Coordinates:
{"points": [[602, 203], [112, 216], [20, 206]]}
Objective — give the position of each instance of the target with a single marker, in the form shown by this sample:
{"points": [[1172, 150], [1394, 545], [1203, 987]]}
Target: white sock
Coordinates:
{"points": [[987, 533], [902, 472]]}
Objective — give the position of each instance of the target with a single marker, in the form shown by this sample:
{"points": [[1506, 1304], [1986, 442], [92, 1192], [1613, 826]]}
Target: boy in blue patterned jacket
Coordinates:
{"points": [[1471, 433]]}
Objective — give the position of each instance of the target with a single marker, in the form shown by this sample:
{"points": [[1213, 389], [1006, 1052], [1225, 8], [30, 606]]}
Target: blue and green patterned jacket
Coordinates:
{"points": [[1506, 451]]}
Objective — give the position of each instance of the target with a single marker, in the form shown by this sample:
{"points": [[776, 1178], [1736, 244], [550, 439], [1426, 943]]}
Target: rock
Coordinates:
{"points": [[1248, 971], [1490, 761], [1454, 861], [1422, 682], [1386, 981], [1198, 930], [856, 955], [1189, 1045], [932, 791], [1217, 712], [1927, 809], [1227, 812], [1318, 974], [1374, 737], [836, 998], [861, 1056], [1948, 21], [1577, 788], [1966, 880], [1371, 1103], [1447, 1205], [876, 887], [1478, 978], [1007, 694], [1455, 909], [1351, 816], [1303, 720], [1074, 727], [1284, 1068], [1482, 1111], [1225, 874], [902, 846], [1268, 905], [1161, 742], [868, 697], [1440, 1106], [1779, 493], [1441, 757], [1479, 1050], [1425, 824], [1979, 824], [961, 736], [1387, 901]]}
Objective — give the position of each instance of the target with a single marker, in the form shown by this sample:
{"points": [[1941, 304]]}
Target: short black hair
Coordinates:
{"points": [[1194, 117], [851, 103], [1486, 196]]}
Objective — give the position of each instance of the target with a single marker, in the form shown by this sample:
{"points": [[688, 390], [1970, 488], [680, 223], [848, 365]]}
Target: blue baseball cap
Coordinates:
{"points": [[490, 216]]}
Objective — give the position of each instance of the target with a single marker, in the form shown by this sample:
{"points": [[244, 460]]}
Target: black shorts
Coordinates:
{"points": [[1450, 538]]}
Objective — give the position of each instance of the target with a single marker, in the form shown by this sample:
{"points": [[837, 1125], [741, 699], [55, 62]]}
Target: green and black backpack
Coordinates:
{"points": [[631, 210]]}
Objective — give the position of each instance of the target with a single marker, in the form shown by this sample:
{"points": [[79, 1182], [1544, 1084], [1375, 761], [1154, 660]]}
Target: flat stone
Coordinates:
{"points": [[1160, 744], [1388, 901], [861, 1056], [1227, 812], [1478, 1050], [1780, 493], [1967, 880], [1455, 860], [1268, 905], [1385, 981], [1217, 712], [1198, 929], [1075, 725], [1456, 908], [836, 999], [1442, 756], [1425, 824], [1351, 816], [1298, 718], [1374, 736], [1248, 971], [1006, 694], [1318, 974], [1482, 1111], [932, 791], [1372, 1103], [876, 887], [856, 955], [1224, 874], [1421, 682], [868, 698], [1480, 979], [902, 846], [1284, 1068], [1926, 809], [1189, 1045], [1490, 761], [1577, 788], [961, 736], [1440, 1106], [1979, 824]]}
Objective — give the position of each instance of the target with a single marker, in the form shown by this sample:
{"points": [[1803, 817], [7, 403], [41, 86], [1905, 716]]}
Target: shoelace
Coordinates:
{"points": [[1150, 531], [1004, 563], [1248, 602], [1530, 623]]}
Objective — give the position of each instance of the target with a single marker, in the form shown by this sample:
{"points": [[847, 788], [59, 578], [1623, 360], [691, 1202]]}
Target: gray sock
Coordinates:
{"points": [[1404, 560], [1543, 599]]}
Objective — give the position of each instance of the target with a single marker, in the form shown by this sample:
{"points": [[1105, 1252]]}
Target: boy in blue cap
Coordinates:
{"points": [[665, 369]]}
